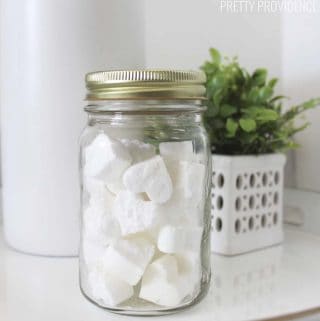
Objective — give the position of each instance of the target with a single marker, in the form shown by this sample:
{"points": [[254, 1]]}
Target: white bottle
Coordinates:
{"points": [[46, 48]]}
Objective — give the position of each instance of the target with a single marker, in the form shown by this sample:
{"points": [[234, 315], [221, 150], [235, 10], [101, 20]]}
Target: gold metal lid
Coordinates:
{"points": [[145, 84]]}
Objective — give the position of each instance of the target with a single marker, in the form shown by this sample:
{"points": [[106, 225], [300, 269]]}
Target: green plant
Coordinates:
{"points": [[243, 115]]}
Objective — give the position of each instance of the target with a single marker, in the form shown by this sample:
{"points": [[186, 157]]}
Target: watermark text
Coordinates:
{"points": [[269, 6]]}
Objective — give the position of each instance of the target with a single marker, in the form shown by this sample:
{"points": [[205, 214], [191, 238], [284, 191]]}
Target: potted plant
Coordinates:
{"points": [[249, 131]]}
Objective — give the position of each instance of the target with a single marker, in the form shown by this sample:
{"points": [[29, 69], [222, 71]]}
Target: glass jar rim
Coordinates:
{"points": [[145, 106]]}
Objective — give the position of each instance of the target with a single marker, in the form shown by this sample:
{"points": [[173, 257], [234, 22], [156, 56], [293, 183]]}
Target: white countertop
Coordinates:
{"points": [[276, 281], [281, 280]]}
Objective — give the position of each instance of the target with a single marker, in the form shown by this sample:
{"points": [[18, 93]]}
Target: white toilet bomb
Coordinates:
{"points": [[99, 226], [138, 150], [177, 150], [182, 162], [133, 213], [172, 239], [92, 252], [115, 187], [106, 159], [150, 176], [180, 211], [127, 259], [99, 195], [107, 289], [93, 186], [190, 180], [189, 264], [185, 206], [161, 282]]}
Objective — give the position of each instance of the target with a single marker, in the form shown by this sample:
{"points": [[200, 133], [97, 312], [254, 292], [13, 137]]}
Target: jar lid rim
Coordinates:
{"points": [[145, 84]]}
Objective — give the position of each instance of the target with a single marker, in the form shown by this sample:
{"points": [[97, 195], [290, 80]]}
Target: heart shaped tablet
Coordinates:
{"points": [[150, 176]]}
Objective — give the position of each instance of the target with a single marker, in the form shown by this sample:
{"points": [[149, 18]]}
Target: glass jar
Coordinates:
{"points": [[145, 178]]}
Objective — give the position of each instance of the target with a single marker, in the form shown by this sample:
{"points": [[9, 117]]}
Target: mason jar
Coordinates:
{"points": [[145, 181]]}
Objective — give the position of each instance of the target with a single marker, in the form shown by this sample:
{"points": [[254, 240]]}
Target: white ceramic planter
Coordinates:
{"points": [[247, 202]]}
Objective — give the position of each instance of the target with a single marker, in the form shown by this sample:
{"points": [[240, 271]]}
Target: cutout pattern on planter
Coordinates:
{"points": [[247, 194]]}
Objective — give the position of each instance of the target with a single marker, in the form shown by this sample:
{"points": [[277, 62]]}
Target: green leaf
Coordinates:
{"points": [[294, 111], [265, 114], [261, 113], [245, 73], [278, 98], [217, 123], [265, 93], [253, 95], [292, 145], [227, 110], [311, 103], [259, 77], [251, 111], [231, 126], [248, 138], [294, 130], [208, 67], [217, 97], [212, 111], [215, 83], [273, 82], [278, 108], [215, 55], [247, 124]]}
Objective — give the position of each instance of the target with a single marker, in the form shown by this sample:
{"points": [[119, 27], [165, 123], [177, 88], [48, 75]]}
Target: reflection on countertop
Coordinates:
{"points": [[271, 282]]}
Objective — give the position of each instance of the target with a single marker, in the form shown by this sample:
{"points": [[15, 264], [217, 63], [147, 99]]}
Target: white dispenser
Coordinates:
{"points": [[46, 48]]}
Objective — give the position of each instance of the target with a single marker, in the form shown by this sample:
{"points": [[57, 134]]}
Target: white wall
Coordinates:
{"points": [[301, 80], [179, 33]]}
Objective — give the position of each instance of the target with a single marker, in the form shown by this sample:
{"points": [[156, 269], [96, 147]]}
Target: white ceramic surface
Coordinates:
{"points": [[247, 202], [280, 280]]}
